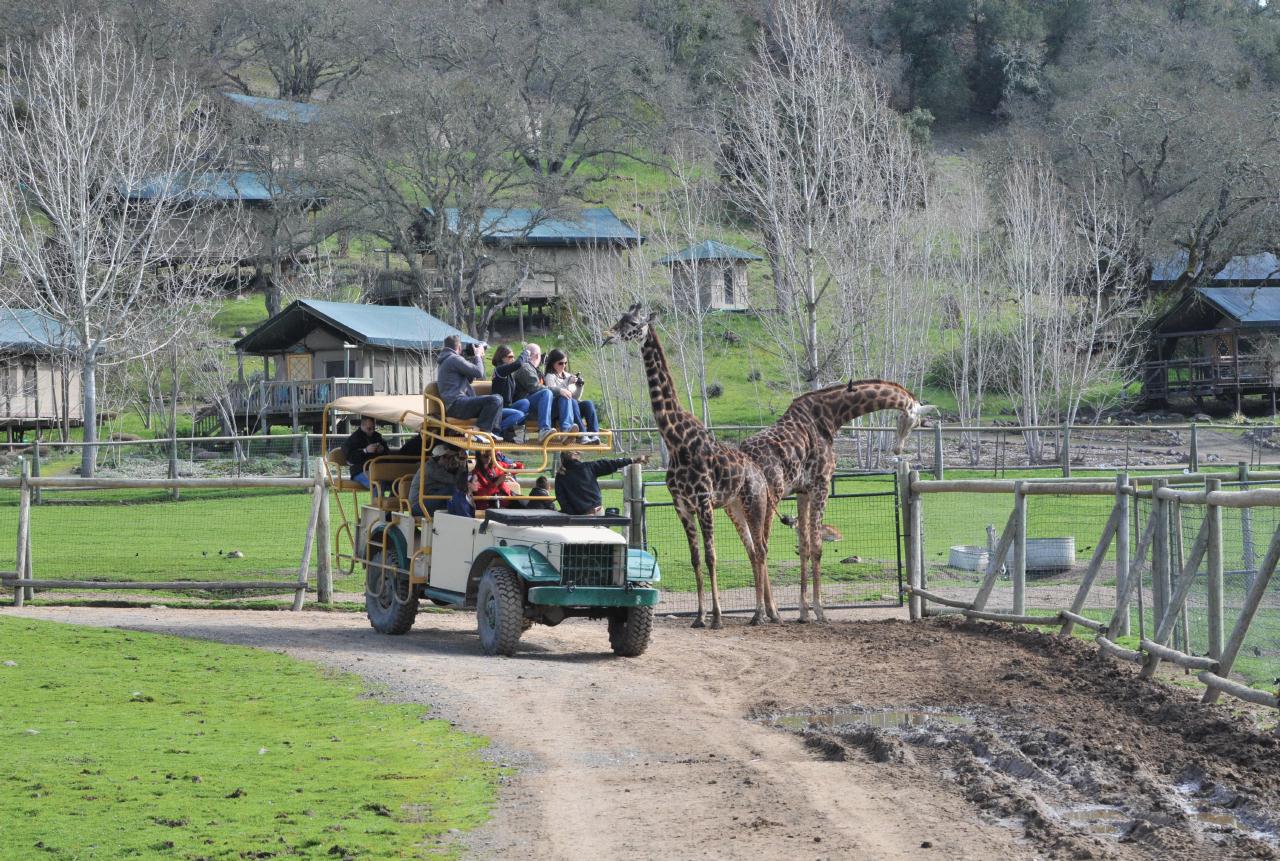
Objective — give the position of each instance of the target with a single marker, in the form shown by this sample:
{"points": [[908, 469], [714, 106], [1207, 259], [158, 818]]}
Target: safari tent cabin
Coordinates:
{"points": [[1220, 340], [548, 253], [713, 272], [315, 351], [39, 382]]}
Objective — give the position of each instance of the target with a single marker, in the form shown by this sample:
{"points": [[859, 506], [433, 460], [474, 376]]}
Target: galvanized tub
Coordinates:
{"points": [[968, 557], [1048, 555]]}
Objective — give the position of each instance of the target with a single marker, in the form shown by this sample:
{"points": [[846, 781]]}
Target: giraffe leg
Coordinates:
{"points": [[817, 507], [769, 511], [690, 525], [738, 515], [709, 552], [802, 536]]}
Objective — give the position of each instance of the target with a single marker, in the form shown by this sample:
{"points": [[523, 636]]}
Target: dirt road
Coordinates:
{"points": [[665, 756]]}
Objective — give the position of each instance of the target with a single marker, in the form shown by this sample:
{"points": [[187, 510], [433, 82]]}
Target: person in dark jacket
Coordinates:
{"points": [[463, 501], [523, 380], [541, 489], [516, 409], [363, 444], [577, 484], [439, 478], [454, 374]]}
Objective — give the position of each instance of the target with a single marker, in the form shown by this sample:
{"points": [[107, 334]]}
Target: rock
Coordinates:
{"points": [[1201, 417], [241, 332], [33, 732], [851, 560], [11, 663], [234, 554], [205, 454], [124, 437]]}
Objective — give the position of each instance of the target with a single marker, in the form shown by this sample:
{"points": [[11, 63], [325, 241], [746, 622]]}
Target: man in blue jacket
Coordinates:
{"points": [[454, 373]]}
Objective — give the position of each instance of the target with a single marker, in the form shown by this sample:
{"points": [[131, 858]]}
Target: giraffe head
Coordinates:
{"points": [[910, 418], [632, 326]]}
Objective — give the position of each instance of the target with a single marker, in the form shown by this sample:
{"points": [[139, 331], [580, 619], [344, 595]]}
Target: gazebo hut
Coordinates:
{"points": [[717, 272], [1220, 340]]}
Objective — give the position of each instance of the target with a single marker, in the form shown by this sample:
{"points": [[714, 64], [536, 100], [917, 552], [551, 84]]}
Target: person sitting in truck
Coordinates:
{"points": [[440, 476], [463, 501], [577, 481], [494, 480], [455, 369], [541, 488], [364, 443]]}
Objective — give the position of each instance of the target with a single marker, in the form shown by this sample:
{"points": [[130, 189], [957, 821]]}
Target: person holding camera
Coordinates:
{"points": [[516, 408], [569, 387], [455, 369], [364, 443]]}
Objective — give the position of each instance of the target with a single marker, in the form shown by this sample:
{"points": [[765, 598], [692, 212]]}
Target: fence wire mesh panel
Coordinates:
{"points": [[861, 559], [1246, 533], [123, 535]]}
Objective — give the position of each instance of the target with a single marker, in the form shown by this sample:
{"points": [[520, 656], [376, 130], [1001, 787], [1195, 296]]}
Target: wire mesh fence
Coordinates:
{"points": [[122, 535], [861, 561]]}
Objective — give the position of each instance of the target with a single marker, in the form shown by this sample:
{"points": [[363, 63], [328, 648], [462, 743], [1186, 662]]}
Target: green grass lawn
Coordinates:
{"points": [[122, 744]]}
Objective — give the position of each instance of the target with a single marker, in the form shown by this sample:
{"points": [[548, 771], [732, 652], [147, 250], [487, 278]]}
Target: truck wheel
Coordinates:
{"points": [[629, 631], [389, 601], [500, 610]]}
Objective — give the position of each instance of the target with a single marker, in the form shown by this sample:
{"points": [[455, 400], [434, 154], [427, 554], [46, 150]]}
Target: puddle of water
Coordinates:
{"points": [[875, 718], [1097, 819]]}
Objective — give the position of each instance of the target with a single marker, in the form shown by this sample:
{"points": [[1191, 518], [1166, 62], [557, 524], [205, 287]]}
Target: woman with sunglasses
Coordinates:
{"points": [[569, 386]]}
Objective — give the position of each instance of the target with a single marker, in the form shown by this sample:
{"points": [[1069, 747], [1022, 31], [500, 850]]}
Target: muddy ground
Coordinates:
{"points": [[1018, 745]]}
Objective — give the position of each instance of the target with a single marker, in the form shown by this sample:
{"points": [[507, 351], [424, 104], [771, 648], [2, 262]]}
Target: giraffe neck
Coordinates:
{"points": [[833, 408], [662, 392]]}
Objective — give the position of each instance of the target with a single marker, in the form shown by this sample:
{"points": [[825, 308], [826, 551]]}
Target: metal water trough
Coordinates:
{"points": [[968, 557], [1050, 555]]}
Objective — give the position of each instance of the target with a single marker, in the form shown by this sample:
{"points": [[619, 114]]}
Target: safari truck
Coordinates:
{"points": [[515, 567]]}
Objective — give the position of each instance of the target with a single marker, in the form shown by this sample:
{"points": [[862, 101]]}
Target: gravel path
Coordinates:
{"points": [[658, 757]]}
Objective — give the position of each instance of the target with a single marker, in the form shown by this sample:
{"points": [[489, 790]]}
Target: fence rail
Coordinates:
{"points": [[24, 582], [1183, 579]]}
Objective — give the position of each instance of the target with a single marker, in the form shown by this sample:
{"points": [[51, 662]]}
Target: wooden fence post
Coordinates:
{"points": [[1176, 561], [324, 558], [1248, 553], [1019, 572], [1065, 450], [1251, 602], [1193, 457], [1159, 548], [914, 604], [1122, 551], [305, 463], [35, 468], [175, 494], [939, 467], [304, 569], [1213, 514], [20, 593], [633, 503]]}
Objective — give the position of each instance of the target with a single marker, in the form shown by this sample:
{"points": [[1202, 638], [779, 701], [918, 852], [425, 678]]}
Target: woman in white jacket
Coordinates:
{"points": [[569, 387]]}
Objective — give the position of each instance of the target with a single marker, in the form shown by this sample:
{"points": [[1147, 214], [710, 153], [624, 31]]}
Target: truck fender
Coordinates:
{"points": [[530, 565], [395, 543]]}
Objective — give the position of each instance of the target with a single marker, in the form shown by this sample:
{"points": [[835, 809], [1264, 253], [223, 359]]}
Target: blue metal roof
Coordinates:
{"points": [[27, 330], [372, 325], [245, 185], [1248, 267], [531, 227], [1252, 306], [708, 250], [277, 110]]}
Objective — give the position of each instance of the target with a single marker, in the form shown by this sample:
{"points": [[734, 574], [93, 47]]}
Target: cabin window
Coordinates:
{"points": [[29, 378], [336, 368], [728, 286]]}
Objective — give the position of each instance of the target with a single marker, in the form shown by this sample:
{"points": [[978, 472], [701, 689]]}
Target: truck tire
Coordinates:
{"points": [[500, 610], [389, 602], [629, 631]]}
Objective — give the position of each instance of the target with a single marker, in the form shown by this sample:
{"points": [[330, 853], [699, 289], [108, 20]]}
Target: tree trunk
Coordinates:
{"points": [[89, 384]]}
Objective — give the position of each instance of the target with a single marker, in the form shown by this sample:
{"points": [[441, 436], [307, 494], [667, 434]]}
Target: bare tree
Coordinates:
{"points": [[800, 149], [97, 214], [1076, 298]]}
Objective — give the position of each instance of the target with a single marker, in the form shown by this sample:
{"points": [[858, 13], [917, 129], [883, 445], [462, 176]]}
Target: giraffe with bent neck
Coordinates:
{"points": [[704, 474], [797, 455]]}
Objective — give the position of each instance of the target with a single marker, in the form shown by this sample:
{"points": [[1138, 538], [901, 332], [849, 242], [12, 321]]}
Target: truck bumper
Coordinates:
{"points": [[593, 596]]}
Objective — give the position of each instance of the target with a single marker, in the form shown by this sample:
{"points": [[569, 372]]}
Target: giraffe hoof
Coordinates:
{"points": [[803, 620], [716, 625], [698, 623]]}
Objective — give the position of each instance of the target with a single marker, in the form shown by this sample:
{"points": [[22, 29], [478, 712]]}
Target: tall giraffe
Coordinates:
{"points": [[797, 455], [703, 475]]}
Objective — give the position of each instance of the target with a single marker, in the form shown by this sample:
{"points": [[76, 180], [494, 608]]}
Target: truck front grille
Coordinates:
{"points": [[593, 564]]}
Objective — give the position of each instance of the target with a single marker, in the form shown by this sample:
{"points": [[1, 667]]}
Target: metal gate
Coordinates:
{"points": [[861, 559]]}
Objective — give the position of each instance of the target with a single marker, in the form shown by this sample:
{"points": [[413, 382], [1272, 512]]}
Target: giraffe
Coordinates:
{"points": [[797, 455], [703, 475]]}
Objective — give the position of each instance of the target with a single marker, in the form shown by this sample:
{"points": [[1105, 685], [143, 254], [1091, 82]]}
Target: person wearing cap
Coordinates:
{"points": [[577, 482], [440, 476]]}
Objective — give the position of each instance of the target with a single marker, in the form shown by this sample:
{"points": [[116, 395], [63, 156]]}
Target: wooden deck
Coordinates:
{"points": [[1225, 377], [293, 402]]}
